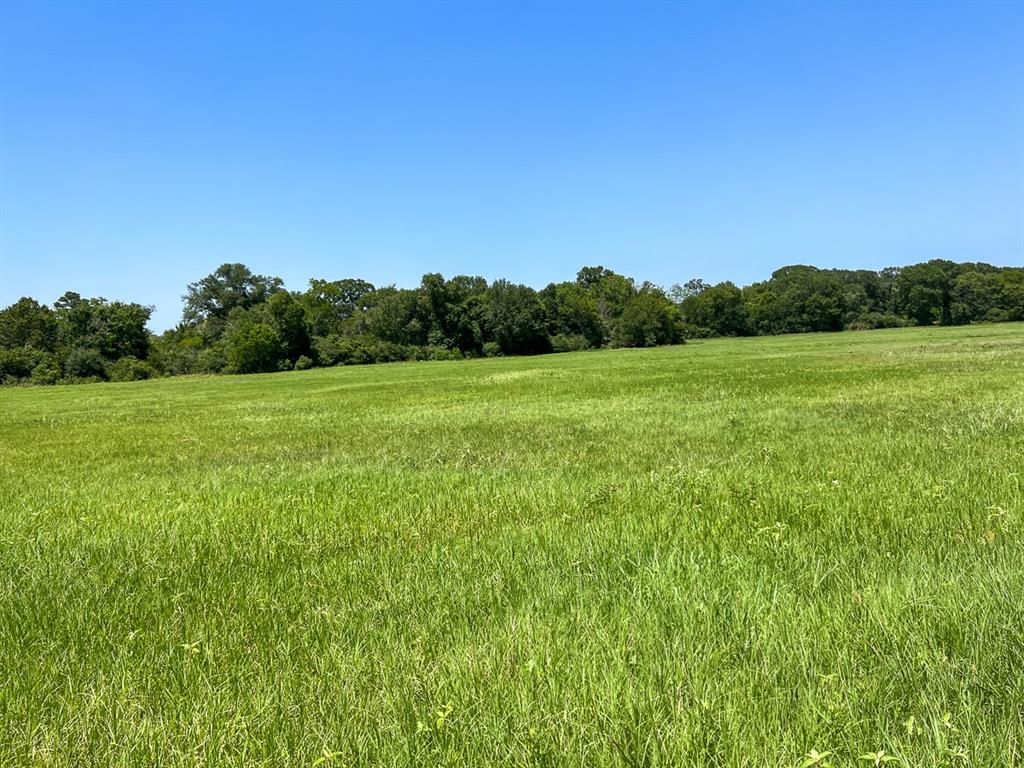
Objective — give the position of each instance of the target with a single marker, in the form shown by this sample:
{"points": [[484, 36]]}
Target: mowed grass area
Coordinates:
{"points": [[729, 553]]}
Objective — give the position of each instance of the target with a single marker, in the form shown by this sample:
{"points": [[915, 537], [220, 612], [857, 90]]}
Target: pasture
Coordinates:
{"points": [[730, 553]]}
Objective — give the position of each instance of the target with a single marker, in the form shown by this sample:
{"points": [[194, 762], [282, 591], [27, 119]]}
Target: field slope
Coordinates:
{"points": [[729, 553]]}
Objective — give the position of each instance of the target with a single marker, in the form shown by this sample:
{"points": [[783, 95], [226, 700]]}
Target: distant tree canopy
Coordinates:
{"points": [[798, 299], [235, 321], [76, 339], [230, 286]]}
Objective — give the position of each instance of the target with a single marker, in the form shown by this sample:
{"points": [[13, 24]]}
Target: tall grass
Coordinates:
{"points": [[744, 552]]}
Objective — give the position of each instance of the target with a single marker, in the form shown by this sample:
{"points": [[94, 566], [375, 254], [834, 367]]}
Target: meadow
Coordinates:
{"points": [[772, 551]]}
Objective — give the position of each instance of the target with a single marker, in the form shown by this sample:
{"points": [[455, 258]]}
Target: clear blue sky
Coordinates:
{"points": [[143, 144]]}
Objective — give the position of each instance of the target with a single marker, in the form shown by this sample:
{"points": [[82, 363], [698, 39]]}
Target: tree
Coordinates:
{"points": [[515, 319], [796, 299], [923, 291], [114, 329], [1011, 296], [393, 315], [20, 363], [863, 292], [609, 289], [235, 320], [592, 277], [463, 318], [327, 304], [27, 323], [230, 286], [74, 318], [177, 351], [120, 330], [570, 310], [680, 293], [85, 363], [720, 309], [973, 295], [648, 320], [285, 315], [253, 347]]}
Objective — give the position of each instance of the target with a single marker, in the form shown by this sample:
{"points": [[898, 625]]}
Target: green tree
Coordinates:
{"points": [[720, 309], [1011, 295], [610, 290], [680, 293], [515, 319], [649, 319], [570, 310], [973, 294], [228, 287], [284, 312], [923, 292], [328, 304], [253, 347], [464, 313], [393, 315], [19, 363], [27, 323], [114, 329], [85, 363]]}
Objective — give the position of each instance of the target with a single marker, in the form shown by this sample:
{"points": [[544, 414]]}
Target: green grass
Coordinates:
{"points": [[726, 554]]}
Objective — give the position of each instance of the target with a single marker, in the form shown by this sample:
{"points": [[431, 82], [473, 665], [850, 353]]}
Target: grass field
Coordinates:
{"points": [[729, 553]]}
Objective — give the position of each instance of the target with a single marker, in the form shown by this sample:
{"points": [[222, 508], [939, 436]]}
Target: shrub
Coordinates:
{"points": [[85, 363], [211, 360], [303, 363], [691, 331], [492, 349], [17, 364], [431, 352], [175, 354], [872, 320], [45, 373], [648, 320], [343, 350], [572, 342], [359, 350], [130, 369], [254, 348], [390, 352]]}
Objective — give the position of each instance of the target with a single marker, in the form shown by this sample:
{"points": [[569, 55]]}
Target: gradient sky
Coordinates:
{"points": [[143, 144]]}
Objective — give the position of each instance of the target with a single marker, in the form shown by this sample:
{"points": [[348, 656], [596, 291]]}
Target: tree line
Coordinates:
{"points": [[235, 321]]}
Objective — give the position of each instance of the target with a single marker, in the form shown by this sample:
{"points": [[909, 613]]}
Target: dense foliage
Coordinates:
{"points": [[235, 321], [77, 340]]}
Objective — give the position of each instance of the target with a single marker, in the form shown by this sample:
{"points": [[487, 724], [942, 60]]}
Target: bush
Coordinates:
{"points": [[85, 363], [572, 342], [328, 349], [254, 348], [175, 354], [359, 350], [872, 320], [211, 360], [45, 373], [492, 349], [17, 364], [130, 369], [648, 321], [696, 332], [431, 352], [996, 315], [303, 363]]}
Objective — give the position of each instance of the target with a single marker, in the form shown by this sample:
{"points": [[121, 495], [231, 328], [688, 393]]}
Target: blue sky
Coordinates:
{"points": [[143, 144]]}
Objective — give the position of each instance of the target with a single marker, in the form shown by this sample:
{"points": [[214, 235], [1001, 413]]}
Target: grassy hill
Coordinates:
{"points": [[729, 553]]}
